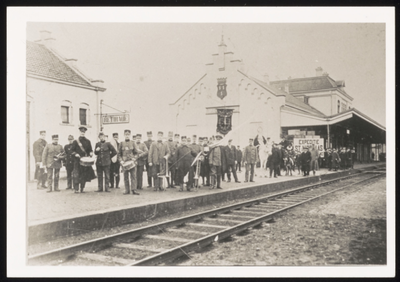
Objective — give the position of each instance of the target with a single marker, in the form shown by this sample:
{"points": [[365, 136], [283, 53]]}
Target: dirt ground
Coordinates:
{"points": [[348, 227]]}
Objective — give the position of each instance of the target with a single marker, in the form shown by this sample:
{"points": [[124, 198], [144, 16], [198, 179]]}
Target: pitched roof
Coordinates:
{"points": [[306, 83], [43, 62], [290, 100]]}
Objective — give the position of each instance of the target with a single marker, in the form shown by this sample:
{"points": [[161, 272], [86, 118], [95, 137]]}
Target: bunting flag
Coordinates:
{"points": [[224, 123]]}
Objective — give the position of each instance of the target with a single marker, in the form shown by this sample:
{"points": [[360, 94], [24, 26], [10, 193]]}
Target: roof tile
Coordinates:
{"points": [[41, 61]]}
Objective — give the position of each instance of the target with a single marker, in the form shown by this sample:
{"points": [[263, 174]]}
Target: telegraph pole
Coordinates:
{"points": [[101, 115]]}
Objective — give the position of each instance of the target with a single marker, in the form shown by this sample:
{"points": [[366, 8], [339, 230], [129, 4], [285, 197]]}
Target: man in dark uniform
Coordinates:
{"points": [[239, 156], [329, 159], [306, 159], [114, 167], [177, 144], [275, 160], [158, 153], [148, 168], [171, 160], [52, 156], [69, 161], [185, 156], [82, 147], [353, 156], [104, 151], [127, 151], [205, 165], [141, 161], [38, 148], [231, 156]]}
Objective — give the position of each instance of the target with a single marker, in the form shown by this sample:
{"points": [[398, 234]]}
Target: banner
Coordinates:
{"points": [[224, 123], [299, 143]]}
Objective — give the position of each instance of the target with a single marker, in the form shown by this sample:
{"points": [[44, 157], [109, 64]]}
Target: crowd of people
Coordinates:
{"points": [[180, 161]]}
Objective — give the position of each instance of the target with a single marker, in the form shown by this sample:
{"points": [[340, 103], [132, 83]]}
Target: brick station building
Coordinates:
{"points": [[226, 99]]}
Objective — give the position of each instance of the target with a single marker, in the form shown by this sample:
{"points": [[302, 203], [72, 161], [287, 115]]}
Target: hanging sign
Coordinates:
{"points": [[115, 118], [300, 143], [224, 123]]}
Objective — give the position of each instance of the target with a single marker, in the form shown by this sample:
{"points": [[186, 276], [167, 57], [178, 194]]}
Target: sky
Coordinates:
{"points": [[146, 66]]}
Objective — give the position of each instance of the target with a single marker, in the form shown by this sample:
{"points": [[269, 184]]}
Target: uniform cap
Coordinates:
{"points": [[200, 138], [115, 134], [170, 134], [138, 135], [205, 138], [70, 137], [194, 136], [127, 131], [54, 136], [230, 140], [101, 133], [218, 136], [183, 137], [42, 131], [177, 135], [149, 133], [160, 133], [83, 128], [251, 139]]}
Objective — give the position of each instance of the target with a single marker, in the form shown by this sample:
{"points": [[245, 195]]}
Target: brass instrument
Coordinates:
{"points": [[164, 177]]}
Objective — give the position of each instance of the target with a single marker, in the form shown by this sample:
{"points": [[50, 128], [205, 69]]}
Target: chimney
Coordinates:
{"points": [[97, 82], [319, 71], [46, 39], [266, 78], [287, 87], [71, 62]]}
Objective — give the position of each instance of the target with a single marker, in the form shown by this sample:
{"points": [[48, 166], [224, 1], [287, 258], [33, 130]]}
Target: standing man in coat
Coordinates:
{"points": [[141, 161], [275, 160], [52, 155], [158, 155], [231, 160], [171, 161], [249, 159], [196, 148], [306, 159], [69, 161], [335, 159], [205, 164], [217, 164], [114, 167], [127, 152], [314, 158], [239, 157], [104, 151], [82, 147], [185, 156], [148, 143], [38, 148]]}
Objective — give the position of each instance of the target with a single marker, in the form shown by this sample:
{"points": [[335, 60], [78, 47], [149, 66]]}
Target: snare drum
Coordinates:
{"points": [[87, 161], [128, 165]]}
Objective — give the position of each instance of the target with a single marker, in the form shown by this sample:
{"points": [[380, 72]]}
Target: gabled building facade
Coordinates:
{"points": [[227, 100], [60, 97]]}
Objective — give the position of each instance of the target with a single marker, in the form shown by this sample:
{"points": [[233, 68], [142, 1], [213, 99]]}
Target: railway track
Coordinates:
{"points": [[163, 242]]}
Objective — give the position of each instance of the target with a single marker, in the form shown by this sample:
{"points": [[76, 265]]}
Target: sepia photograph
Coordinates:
{"points": [[223, 138]]}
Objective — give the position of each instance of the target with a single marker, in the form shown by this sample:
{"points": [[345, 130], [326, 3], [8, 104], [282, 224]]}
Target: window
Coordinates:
{"points": [[84, 114], [66, 112], [338, 106]]}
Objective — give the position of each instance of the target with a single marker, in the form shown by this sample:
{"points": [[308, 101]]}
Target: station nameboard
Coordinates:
{"points": [[115, 118], [299, 143]]}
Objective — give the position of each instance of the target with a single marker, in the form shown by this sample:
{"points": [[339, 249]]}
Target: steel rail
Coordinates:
{"points": [[181, 250], [63, 253]]}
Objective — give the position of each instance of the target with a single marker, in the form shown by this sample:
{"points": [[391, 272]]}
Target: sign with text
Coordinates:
{"points": [[299, 143], [115, 118]]}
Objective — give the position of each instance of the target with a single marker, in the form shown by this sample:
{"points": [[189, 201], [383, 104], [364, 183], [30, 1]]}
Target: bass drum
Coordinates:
{"points": [[87, 161], [128, 165]]}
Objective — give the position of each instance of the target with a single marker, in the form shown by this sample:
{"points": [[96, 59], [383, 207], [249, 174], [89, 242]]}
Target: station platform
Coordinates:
{"points": [[64, 213]]}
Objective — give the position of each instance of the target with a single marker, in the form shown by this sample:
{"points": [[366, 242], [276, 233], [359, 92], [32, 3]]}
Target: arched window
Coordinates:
{"points": [[84, 114], [66, 112], [338, 106]]}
